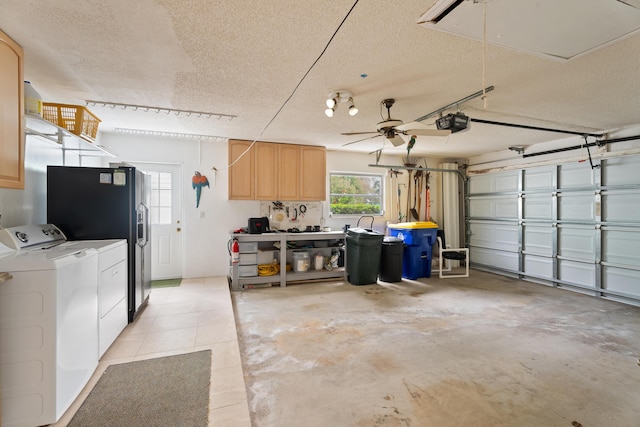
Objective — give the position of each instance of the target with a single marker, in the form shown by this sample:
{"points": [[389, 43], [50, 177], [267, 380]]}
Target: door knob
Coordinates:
{"points": [[178, 229]]}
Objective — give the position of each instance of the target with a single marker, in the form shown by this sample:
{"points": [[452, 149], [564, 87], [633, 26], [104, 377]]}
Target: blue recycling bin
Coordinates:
{"points": [[419, 238]]}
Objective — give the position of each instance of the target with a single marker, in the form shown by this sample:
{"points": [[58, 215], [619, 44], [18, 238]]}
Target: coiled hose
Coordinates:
{"points": [[268, 269]]}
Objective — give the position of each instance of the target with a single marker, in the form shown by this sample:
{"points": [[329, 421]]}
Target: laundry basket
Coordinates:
{"points": [[74, 118]]}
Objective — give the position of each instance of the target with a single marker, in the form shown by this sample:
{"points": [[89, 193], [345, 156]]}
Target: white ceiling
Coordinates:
{"points": [[246, 58]]}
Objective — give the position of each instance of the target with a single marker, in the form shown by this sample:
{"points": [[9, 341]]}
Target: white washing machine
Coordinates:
{"points": [[48, 323]]}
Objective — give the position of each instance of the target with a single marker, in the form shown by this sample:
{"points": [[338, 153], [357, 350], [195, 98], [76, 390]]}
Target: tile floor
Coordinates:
{"points": [[195, 316]]}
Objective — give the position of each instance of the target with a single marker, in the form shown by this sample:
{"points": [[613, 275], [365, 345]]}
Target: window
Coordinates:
{"points": [[356, 194], [161, 189]]}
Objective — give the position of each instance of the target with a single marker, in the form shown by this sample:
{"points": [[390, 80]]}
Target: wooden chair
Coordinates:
{"points": [[446, 253]]}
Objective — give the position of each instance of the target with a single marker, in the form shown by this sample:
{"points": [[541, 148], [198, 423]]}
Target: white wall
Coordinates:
{"points": [[29, 206], [205, 236]]}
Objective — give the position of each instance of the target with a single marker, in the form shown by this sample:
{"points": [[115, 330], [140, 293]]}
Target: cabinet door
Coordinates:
{"points": [[289, 172], [313, 173], [266, 177], [241, 174], [11, 119]]}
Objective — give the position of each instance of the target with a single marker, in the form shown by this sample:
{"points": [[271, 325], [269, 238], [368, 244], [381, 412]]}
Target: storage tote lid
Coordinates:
{"points": [[364, 232], [412, 225], [391, 241]]}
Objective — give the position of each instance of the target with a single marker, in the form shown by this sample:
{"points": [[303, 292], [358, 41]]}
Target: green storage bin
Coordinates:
{"points": [[364, 246]]}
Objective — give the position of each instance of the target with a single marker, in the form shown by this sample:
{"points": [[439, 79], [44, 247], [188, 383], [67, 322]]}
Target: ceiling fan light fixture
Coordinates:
{"points": [[336, 98], [329, 111], [353, 110]]}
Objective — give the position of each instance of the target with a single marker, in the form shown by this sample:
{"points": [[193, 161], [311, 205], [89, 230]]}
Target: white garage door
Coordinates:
{"points": [[567, 225]]}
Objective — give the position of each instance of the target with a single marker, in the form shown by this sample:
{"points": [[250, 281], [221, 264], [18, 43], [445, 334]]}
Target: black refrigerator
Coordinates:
{"points": [[89, 203]]}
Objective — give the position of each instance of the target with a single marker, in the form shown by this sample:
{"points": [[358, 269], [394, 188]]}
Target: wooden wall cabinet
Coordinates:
{"points": [[313, 170], [12, 118], [272, 171], [241, 173], [266, 171], [289, 172]]}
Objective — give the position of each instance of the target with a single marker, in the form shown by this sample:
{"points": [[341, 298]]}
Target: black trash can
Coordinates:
{"points": [[363, 255], [391, 259]]}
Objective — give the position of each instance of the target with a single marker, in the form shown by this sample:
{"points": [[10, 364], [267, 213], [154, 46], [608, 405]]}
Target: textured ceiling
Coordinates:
{"points": [[246, 58]]}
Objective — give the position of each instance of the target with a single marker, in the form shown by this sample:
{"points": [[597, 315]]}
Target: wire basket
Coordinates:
{"points": [[74, 118]]}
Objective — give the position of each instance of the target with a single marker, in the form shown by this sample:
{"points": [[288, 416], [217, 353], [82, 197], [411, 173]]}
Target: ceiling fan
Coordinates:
{"points": [[392, 128]]}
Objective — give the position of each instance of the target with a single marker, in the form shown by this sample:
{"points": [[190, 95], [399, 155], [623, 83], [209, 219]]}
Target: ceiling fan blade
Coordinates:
{"points": [[396, 140], [363, 139], [411, 125], [429, 132], [417, 128], [358, 133]]}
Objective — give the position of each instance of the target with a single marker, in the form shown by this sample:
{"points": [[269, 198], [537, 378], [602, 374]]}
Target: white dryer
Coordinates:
{"points": [[48, 323], [112, 287]]}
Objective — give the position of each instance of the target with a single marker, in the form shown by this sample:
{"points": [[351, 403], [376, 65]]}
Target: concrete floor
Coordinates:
{"points": [[480, 351]]}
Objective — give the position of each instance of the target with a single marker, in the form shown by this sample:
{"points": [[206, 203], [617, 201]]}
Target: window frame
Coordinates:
{"points": [[158, 206], [379, 176]]}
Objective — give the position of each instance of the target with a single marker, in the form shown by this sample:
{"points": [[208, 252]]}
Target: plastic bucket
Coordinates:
{"points": [[300, 261]]}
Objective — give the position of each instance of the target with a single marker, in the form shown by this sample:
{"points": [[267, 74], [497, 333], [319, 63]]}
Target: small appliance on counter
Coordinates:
{"points": [[258, 225]]}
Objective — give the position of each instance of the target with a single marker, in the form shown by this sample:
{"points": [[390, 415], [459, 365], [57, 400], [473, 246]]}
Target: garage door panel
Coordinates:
{"points": [[496, 236], [621, 280], [577, 207], [494, 183], [499, 259], [577, 243], [538, 266], [493, 207], [621, 206], [575, 175], [538, 240], [540, 178], [538, 207], [581, 274], [621, 246], [621, 171]]}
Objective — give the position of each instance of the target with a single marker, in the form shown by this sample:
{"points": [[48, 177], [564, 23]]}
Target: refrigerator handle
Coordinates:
{"points": [[142, 225]]}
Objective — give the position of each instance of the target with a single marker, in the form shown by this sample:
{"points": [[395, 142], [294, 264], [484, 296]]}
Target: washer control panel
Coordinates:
{"points": [[37, 236]]}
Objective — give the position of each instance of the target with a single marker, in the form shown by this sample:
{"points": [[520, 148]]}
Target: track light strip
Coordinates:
{"points": [[170, 134], [158, 110]]}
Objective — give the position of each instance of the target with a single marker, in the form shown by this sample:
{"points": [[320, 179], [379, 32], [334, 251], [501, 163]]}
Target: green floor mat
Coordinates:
{"points": [[167, 283]]}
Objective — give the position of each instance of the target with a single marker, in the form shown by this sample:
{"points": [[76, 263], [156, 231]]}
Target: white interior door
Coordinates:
{"points": [[165, 214]]}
